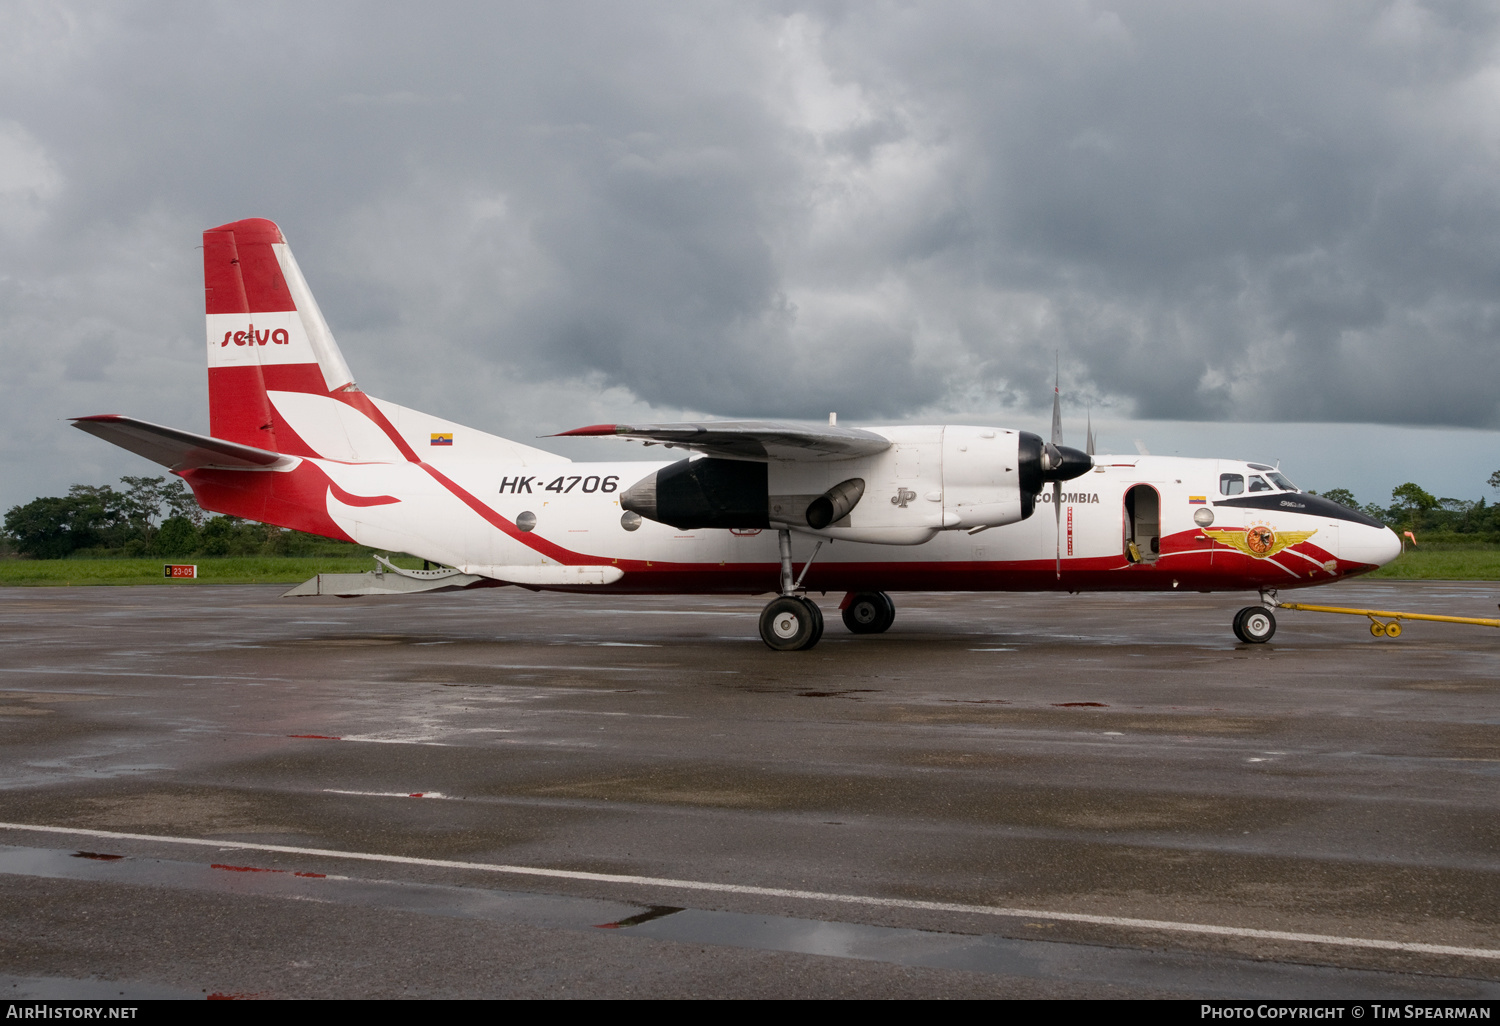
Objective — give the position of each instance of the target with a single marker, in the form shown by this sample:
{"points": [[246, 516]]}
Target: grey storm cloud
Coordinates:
{"points": [[525, 215]]}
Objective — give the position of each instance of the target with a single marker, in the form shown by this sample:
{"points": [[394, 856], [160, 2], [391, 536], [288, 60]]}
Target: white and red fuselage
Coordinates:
{"points": [[939, 507]]}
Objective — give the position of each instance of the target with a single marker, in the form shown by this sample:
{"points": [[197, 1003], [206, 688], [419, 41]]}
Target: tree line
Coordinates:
{"points": [[146, 517], [1415, 509], [151, 516]]}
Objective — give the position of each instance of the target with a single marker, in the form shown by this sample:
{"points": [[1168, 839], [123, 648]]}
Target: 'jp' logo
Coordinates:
{"points": [[902, 497]]}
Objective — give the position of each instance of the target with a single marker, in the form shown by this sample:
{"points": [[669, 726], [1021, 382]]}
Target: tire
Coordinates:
{"points": [[1239, 624], [788, 624], [1393, 629], [1257, 624], [1378, 629], [869, 612]]}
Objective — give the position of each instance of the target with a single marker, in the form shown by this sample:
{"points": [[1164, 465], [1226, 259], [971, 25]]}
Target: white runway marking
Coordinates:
{"points": [[779, 892], [389, 794]]}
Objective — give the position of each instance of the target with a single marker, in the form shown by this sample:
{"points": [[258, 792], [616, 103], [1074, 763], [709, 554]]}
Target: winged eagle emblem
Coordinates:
{"points": [[1259, 541]]}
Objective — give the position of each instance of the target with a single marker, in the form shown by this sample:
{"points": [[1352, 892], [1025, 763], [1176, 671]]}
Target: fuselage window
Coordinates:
{"points": [[1258, 484], [1231, 484], [1280, 481]]}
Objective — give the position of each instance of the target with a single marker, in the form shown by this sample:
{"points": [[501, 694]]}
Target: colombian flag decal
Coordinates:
{"points": [[442, 439], [1193, 500]]}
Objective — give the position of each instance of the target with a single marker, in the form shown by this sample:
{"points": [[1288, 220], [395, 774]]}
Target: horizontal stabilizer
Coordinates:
{"points": [[181, 450], [750, 439]]}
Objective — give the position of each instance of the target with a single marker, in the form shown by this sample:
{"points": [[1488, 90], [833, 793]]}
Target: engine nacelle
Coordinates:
{"points": [[989, 476], [702, 493], [931, 479]]}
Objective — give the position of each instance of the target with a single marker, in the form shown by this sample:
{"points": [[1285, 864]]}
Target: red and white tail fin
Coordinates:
{"points": [[265, 335], [276, 378]]}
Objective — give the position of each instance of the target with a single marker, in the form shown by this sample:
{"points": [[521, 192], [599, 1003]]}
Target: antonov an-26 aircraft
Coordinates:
{"points": [[294, 442]]}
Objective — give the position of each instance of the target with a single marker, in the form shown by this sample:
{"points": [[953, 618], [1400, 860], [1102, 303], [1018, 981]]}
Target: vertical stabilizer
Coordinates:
{"points": [[266, 336], [276, 378]]}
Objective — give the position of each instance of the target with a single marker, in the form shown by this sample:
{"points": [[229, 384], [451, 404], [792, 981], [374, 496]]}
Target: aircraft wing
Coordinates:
{"points": [[180, 450], [757, 440]]}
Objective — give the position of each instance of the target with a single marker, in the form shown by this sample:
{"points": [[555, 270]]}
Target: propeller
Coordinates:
{"points": [[1053, 447], [1058, 463]]}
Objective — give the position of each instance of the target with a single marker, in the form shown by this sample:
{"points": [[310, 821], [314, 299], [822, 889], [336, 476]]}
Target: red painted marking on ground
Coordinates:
{"points": [[416, 795], [1080, 705], [607, 926], [247, 869], [244, 869], [96, 855], [318, 737]]}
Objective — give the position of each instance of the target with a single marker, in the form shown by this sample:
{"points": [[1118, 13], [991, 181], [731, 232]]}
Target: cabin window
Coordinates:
{"points": [[1280, 480], [1231, 484], [1258, 484]]}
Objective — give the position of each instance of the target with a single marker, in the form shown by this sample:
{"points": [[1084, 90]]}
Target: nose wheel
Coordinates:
{"points": [[1254, 625], [869, 612]]}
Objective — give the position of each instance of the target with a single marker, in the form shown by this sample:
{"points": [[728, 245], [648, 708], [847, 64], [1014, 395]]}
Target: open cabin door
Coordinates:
{"points": [[1142, 515]]}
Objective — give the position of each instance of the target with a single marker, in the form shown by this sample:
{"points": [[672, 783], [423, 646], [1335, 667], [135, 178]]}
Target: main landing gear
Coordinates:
{"points": [[869, 612], [792, 622]]}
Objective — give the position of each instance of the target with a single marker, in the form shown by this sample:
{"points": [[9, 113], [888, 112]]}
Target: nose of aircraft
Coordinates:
{"points": [[1374, 546]]}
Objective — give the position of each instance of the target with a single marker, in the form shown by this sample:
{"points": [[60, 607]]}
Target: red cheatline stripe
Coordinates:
{"points": [[364, 404], [350, 499], [542, 545]]}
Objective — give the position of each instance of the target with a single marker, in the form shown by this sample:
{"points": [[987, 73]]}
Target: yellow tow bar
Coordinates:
{"points": [[1390, 627]]}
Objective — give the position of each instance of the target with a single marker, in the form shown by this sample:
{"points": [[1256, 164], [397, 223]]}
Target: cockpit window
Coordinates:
{"points": [[1231, 484], [1280, 480], [1258, 484]]}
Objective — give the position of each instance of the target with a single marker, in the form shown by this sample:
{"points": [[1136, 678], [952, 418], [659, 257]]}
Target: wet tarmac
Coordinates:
{"points": [[514, 794]]}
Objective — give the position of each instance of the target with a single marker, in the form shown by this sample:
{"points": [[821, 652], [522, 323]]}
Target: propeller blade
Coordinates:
{"points": [[1057, 509], [1089, 441], [1057, 410]]}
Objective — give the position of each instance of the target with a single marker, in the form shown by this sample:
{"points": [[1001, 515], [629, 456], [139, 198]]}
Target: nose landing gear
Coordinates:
{"points": [[1254, 625]]}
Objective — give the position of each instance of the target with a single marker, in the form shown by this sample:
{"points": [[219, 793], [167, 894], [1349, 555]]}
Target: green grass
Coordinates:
{"points": [[1443, 563], [211, 570]]}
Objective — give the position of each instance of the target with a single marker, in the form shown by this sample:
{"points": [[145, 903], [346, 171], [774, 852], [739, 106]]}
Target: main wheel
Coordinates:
{"points": [[1255, 625], [869, 613], [789, 623], [1239, 624]]}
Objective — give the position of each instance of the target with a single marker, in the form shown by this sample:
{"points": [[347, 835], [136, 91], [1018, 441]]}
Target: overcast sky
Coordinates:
{"points": [[529, 217]]}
